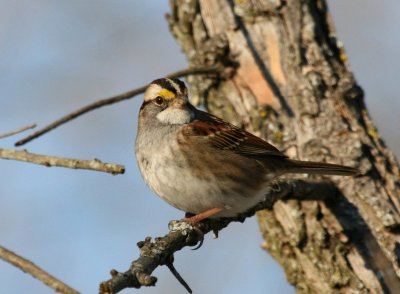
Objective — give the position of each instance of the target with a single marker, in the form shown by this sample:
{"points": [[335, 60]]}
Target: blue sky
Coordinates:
{"points": [[56, 56]]}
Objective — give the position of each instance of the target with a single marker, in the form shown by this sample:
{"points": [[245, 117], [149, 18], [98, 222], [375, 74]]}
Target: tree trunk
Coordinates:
{"points": [[286, 79]]}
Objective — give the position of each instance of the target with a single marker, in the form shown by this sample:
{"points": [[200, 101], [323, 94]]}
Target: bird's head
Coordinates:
{"points": [[167, 101]]}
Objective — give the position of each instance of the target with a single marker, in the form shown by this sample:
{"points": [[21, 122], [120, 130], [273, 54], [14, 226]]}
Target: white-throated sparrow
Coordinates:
{"points": [[203, 165]]}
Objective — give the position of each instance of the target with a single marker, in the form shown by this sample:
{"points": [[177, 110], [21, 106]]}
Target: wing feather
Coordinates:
{"points": [[225, 136]]}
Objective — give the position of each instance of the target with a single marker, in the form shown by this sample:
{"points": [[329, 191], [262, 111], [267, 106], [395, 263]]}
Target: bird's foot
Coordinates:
{"points": [[194, 221]]}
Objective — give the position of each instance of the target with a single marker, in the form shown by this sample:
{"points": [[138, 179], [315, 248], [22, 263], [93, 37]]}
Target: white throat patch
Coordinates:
{"points": [[175, 116]]}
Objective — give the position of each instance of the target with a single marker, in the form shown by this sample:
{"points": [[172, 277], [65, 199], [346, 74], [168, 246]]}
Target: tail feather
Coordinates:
{"points": [[319, 168]]}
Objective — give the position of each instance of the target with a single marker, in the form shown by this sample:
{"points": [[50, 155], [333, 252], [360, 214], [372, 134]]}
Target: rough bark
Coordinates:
{"points": [[287, 80]]}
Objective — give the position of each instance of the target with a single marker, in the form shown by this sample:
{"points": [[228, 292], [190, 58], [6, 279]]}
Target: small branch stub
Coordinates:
{"points": [[17, 131]]}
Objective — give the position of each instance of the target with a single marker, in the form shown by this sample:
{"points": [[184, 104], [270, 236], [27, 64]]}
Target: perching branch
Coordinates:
{"points": [[29, 267], [46, 160], [159, 251], [17, 131], [109, 101]]}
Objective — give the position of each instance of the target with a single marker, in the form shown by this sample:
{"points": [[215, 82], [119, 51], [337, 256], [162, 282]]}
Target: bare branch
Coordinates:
{"points": [[29, 267], [109, 101], [96, 164], [17, 131], [181, 234]]}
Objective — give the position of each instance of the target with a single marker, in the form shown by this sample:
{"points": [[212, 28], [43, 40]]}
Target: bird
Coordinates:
{"points": [[203, 165]]}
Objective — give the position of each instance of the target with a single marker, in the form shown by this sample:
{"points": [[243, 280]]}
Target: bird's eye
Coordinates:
{"points": [[159, 100]]}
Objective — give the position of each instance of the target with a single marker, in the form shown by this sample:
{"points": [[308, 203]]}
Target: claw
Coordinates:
{"points": [[194, 221], [200, 236]]}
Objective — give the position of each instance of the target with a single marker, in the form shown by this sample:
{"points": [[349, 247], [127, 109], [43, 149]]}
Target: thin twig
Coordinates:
{"points": [[29, 267], [109, 101], [17, 131], [46, 160], [159, 251]]}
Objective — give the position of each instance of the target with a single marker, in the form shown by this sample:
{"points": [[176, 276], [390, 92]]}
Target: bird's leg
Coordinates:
{"points": [[202, 215]]}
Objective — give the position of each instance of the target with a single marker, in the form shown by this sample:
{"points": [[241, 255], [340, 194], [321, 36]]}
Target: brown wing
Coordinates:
{"points": [[225, 136]]}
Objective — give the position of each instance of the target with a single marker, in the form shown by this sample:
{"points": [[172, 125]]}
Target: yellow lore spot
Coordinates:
{"points": [[166, 93]]}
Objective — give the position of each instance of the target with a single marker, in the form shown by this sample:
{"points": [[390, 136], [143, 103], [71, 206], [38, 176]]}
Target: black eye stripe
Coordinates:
{"points": [[180, 84], [176, 86], [165, 84]]}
